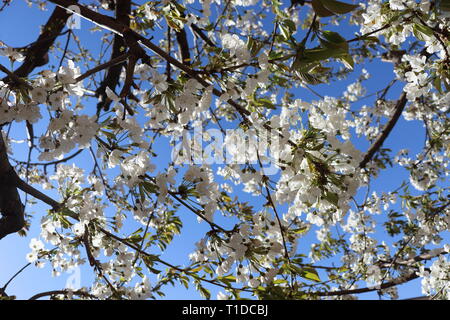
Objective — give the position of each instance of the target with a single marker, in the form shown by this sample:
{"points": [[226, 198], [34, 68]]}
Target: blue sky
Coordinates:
{"points": [[19, 26]]}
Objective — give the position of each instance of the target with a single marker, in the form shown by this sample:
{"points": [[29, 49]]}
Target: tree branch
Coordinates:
{"points": [[11, 206], [201, 34], [65, 292], [37, 53], [386, 285], [183, 46], [123, 9], [401, 102], [25, 187], [14, 78], [107, 65], [422, 257]]}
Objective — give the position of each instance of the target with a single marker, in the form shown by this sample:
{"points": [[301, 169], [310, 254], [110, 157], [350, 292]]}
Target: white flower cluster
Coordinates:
{"points": [[12, 54], [237, 47], [65, 132], [417, 78], [263, 236], [133, 168], [206, 188], [435, 281], [11, 109]]}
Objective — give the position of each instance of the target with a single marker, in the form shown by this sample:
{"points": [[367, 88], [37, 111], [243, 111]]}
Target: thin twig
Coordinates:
{"points": [[102, 66], [401, 102]]}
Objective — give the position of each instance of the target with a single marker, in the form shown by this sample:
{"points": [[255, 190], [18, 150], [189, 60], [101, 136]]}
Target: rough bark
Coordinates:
{"points": [[111, 80], [11, 207]]}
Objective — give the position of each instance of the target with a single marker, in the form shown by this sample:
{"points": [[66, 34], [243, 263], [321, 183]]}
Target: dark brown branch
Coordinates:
{"points": [[65, 292], [386, 285], [202, 35], [3, 293], [23, 49], [110, 64], [11, 207], [183, 46], [169, 49], [14, 77], [401, 102], [25, 187], [37, 53], [3, 289], [362, 37], [422, 257], [112, 78], [272, 204]]}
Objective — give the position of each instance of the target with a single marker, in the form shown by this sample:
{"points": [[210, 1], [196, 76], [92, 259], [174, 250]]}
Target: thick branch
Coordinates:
{"points": [[183, 46], [11, 207], [112, 78], [386, 285], [202, 35], [37, 53], [25, 187]]}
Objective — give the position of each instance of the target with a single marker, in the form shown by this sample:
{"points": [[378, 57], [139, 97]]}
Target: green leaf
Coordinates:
{"points": [[264, 102], [150, 187], [318, 69], [153, 270], [437, 84], [347, 60], [338, 7], [226, 198], [285, 32], [280, 281], [290, 25], [424, 29], [150, 258], [333, 40], [308, 78], [422, 32], [320, 54], [254, 46], [228, 280], [320, 10], [310, 274], [300, 230], [204, 292], [108, 134], [332, 197], [447, 84]]}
